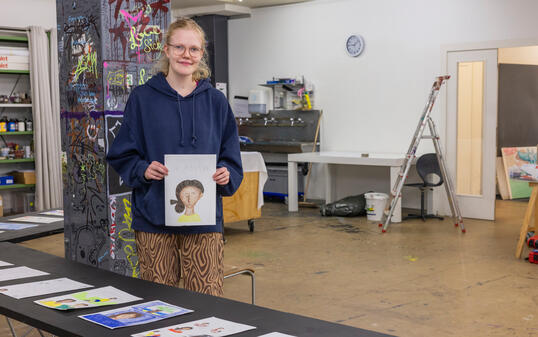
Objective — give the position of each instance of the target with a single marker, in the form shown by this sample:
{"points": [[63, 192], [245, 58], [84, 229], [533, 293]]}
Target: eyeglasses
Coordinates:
{"points": [[180, 50]]}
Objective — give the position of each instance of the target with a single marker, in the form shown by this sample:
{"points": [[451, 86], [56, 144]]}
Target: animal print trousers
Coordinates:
{"points": [[197, 258]]}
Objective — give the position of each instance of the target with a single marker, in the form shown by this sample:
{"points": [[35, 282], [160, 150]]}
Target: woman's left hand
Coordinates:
{"points": [[222, 176]]}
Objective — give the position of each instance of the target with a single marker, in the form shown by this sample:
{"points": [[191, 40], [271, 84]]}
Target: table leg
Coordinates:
{"points": [[293, 202], [329, 184], [397, 214]]}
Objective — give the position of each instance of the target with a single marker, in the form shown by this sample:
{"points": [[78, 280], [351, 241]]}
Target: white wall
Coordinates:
{"points": [[24, 13], [373, 102]]}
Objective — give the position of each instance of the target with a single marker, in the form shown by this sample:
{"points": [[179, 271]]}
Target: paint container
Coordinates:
{"points": [[5, 151], [375, 205], [11, 125], [27, 152]]}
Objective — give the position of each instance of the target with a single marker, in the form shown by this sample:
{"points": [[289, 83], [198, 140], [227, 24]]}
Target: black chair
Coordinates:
{"points": [[427, 165]]}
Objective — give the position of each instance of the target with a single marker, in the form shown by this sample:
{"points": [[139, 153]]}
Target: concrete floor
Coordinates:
{"points": [[419, 279]]}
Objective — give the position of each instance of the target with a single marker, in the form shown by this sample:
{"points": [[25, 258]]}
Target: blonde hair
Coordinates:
{"points": [[163, 64]]}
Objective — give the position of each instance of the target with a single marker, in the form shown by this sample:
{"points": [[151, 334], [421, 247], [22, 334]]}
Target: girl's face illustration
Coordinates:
{"points": [[126, 315], [190, 196]]}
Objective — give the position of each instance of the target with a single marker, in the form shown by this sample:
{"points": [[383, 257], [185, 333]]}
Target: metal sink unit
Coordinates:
{"points": [[275, 135], [278, 147]]}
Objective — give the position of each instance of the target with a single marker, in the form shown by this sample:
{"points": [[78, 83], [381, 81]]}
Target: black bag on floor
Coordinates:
{"points": [[354, 205]]}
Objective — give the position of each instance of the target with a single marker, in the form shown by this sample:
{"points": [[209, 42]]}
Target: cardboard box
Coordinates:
{"points": [[24, 177], [1, 206]]}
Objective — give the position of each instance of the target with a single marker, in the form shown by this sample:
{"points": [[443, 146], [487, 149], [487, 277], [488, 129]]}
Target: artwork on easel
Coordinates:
{"points": [[190, 191], [521, 167]]}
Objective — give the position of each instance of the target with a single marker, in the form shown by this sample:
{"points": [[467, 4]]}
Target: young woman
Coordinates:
{"points": [[177, 112]]}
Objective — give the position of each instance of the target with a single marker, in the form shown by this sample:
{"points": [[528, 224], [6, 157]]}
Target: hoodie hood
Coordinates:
{"points": [[160, 84]]}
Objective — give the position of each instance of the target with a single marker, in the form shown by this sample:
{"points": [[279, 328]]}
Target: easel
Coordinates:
{"points": [[532, 207]]}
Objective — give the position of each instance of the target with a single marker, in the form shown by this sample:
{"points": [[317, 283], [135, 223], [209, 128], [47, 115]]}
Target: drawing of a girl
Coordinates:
{"points": [[188, 192]]}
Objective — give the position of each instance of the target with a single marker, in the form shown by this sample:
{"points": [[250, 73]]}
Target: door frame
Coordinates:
{"points": [[439, 195]]}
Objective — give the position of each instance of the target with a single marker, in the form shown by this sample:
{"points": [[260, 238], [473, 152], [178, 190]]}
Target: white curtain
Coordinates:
{"points": [[46, 111]]}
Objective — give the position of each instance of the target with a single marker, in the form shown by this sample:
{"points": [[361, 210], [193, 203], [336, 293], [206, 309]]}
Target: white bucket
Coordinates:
{"points": [[375, 205]]}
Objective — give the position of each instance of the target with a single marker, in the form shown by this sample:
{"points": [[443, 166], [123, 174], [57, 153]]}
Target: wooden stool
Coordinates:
{"points": [[532, 207]]}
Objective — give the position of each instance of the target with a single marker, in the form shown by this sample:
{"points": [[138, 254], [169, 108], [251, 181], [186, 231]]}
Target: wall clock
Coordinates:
{"points": [[354, 45]]}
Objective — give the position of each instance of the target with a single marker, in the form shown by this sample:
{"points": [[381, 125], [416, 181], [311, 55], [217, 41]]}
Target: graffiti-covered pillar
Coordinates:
{"points": [[105, 49]]}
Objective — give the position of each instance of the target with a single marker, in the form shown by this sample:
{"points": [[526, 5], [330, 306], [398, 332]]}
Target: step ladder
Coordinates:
{"points": [[396, 192]]}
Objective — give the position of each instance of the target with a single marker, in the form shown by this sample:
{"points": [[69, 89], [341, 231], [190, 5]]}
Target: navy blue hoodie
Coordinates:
{"points": [[158, 121]]}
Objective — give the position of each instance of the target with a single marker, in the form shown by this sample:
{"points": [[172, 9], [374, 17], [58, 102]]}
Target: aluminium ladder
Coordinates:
{"points": [[396, 191]]}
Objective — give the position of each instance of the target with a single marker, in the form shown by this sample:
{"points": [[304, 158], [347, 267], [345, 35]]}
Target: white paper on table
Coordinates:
{"points": [[189, 174], [19, 272], [88, 299], [3, 263], [15, 226], [23, 290], [211, 326], [1, 231], [38, 219], [57, 212], [276, 334]]}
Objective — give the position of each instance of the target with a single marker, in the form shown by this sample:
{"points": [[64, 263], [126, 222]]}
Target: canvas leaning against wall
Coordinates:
{"points": [[520, 167], [190, 191]]}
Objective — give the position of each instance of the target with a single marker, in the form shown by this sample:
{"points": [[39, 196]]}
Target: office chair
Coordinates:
{"points": [[427, 165]]}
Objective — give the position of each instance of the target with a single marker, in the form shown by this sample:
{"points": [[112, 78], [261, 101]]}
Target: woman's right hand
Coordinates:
{"points": [[155, 171]]}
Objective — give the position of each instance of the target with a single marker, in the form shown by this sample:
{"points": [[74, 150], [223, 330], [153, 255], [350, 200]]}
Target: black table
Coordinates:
{"points": [[42, 229], [63, 323]]}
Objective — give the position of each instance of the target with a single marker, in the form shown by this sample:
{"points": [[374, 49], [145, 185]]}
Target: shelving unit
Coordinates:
{"points": [[15, 161], [14, 38], [13, 81], [14, 133], [9, 71], [281, 93], [16, 186], [15, 105], [284, 94]]}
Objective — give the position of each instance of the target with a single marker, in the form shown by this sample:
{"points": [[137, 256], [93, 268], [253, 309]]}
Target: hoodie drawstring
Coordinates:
{"points": [[193, 141], [180, 121]]}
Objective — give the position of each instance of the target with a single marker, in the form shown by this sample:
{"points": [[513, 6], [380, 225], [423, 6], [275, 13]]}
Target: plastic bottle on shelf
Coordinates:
{"points": [[22, 126], [29, 125], [11, 125], [3, 125]]}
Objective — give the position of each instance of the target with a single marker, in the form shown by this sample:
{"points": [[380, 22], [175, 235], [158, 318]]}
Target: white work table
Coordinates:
{"points": [[394, 161]]}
